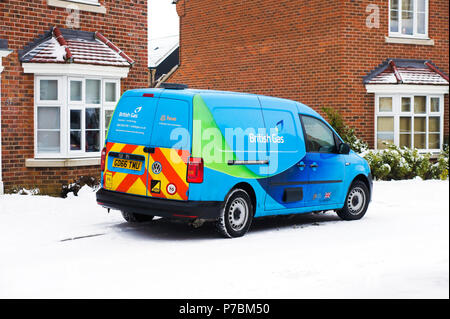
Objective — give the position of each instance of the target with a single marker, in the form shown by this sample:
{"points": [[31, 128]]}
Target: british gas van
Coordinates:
{"points": [[228, 157]]}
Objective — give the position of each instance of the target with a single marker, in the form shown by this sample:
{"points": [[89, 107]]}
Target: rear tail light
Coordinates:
{"points": [[195, 170], [103, 159]]}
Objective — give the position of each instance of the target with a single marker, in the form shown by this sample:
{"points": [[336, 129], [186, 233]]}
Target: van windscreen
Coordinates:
{"points": [[132, 121]]}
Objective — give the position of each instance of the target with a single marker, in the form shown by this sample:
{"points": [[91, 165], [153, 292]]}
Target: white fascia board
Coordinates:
{"points": [[75, 69], [406, 89]]}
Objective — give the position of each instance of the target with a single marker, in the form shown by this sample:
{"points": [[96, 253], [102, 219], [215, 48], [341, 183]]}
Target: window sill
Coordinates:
{"points": [[76, 5], [415, 41], [70, 162]]}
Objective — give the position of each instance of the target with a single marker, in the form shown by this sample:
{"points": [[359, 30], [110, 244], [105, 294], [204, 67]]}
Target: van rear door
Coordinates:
{"points": [[170, 150], [129, 134]]}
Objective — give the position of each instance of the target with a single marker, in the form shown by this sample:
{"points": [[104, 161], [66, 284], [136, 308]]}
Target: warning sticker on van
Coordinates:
{"points": [[155, 186]]}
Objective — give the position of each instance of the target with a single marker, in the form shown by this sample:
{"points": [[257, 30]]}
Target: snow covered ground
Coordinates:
{"points": [[399, 250]]}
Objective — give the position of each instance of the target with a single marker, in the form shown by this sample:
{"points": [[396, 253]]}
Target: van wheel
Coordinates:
{"points": [[237, 215], [136, 218], [356, 202]]}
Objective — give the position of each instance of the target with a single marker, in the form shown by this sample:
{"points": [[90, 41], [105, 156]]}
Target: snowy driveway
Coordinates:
{"points": [[52, 247]]}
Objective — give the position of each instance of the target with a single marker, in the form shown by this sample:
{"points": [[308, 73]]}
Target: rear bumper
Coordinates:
{"points": [[208, 210]]}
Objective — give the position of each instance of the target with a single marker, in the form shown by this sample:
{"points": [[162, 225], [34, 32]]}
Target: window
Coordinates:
{"points": [[319, 137], [408, 18], [72, 115], [409, 121]]}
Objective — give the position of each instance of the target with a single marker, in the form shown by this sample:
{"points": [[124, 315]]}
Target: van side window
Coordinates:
{"points": [[319, 138]]}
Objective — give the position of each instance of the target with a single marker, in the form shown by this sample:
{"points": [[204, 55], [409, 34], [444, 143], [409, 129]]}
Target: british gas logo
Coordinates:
{"points": [[133, 115]]}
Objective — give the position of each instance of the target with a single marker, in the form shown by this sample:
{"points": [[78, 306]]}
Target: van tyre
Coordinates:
{"points": [[356, 202], [136, 218], [237, 214]]}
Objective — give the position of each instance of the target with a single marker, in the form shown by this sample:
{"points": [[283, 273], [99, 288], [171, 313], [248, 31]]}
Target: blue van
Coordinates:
{"points": [[227, 157]]}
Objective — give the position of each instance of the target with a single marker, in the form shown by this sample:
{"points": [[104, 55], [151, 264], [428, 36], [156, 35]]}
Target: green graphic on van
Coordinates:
{"points": [[205, 125]]}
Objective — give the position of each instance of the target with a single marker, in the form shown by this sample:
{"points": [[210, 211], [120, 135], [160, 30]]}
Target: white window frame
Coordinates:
{"points": [[397, 113], [415, 35], [66, 105]]}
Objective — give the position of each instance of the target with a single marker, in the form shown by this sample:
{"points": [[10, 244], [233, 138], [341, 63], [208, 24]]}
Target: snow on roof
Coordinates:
{"points": [[62, 46], [161, 48], [403, 71]]}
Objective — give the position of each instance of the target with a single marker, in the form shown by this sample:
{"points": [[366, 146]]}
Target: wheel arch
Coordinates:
{"points": [[363, 178], [250, 191]]}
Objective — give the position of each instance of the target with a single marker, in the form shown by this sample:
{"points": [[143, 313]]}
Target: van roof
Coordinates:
{"points": [[186, 94]]}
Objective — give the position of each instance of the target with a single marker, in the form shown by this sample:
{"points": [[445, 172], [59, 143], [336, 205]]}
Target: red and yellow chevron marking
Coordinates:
{"points": [[126, 182], [174, 168]]}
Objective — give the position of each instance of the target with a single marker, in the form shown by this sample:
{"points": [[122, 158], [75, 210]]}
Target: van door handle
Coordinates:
{"points": [[314, 165], [301, 165], [149, 150]]}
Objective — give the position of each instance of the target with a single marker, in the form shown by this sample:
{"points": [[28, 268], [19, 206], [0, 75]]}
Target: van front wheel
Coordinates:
{"points": [[237, 214], [356, 202], [136, 218]]}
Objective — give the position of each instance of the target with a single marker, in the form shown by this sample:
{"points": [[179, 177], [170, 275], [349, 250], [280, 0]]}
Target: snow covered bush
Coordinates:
{"points": [[348, 134], [78, 184], [406, 163]]}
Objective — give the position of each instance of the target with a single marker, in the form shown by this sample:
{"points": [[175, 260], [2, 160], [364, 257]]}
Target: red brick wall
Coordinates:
{"points": [[22, 21], [314, 51]]}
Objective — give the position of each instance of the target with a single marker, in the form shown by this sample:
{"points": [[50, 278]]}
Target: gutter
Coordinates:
{"points": [[3, 53]]}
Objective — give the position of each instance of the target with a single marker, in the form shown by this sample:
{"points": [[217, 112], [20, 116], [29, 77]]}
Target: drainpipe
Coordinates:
{"points": [[3, 53]]}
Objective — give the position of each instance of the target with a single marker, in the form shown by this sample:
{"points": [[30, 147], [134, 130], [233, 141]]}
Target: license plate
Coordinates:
{"points": [[127, 164]]}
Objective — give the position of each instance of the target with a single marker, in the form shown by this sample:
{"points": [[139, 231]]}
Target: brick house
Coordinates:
{"points": [[383, 63], [63, 66]]}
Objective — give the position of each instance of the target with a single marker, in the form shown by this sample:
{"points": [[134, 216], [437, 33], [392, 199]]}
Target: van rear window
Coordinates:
{"points": [[132, 121], [171, 128]]}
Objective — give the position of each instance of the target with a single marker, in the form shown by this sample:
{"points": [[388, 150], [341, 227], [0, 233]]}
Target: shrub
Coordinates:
{"points": [[406, 163], [78, 184], [345, 132]]}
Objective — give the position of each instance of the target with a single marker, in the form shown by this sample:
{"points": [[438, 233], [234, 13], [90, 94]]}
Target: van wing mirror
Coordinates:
{"points": [[344, 148]]}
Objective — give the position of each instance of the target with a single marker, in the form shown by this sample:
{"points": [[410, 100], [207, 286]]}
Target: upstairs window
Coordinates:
{"points": [[408, 18]]}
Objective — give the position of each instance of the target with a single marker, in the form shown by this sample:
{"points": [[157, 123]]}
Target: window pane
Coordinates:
{"points": [[48, 118], [394, 21], [419, 125], [420, 104], [405, 125], [407, 5], [48, 141], [434, 141], [421, 5], [92, 141], [406, 104], [434, 104], [93, 91], [434, 124], [385, 131], [419, 141], [385, 124], [394, 4], [110, 92], [75, 119], [385, 104], [319, 137], [421, 23], [75, 140], [92, 118], [407, 22], [75, 90], [48, 90], [405, 140], [108, 115]]}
